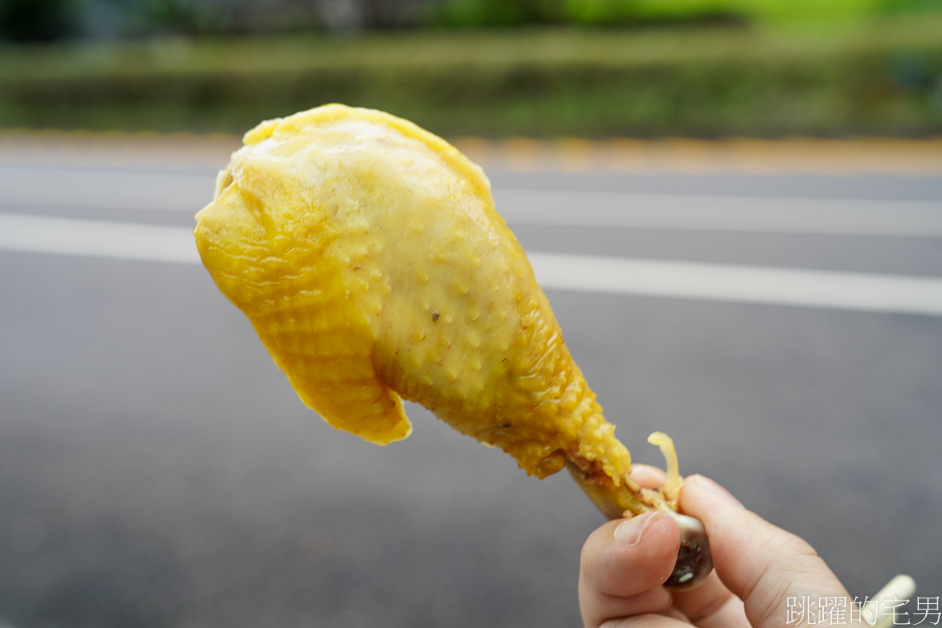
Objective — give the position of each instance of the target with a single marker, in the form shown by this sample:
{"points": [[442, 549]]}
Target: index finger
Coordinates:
{"points": [[711, 604], [760, 563]]}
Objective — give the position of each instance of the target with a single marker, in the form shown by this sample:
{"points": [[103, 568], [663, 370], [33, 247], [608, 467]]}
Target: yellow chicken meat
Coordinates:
{"points": [[369, 258]]}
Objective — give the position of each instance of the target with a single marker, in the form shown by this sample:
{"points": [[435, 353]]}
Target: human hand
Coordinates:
{"points": [[758, 567]]}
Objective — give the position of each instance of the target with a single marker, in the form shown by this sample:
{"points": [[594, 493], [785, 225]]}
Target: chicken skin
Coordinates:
{"points": [[369, 258]]}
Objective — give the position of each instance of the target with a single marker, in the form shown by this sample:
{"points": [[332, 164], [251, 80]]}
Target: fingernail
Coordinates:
{"points": [[714, 489], [631, 530]]}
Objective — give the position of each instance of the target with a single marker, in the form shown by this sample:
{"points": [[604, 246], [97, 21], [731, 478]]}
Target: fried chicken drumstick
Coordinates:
{"points": [[369, 258]]}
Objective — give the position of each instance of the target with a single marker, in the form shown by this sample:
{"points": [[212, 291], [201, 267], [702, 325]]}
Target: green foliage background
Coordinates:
{"points": [[543, 68], [766, 12]]}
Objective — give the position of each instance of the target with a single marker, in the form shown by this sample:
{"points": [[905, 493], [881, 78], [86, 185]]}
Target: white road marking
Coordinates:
{"points": [[582, 273], [97, 238], [24, 187], [744, 284], [721, 213]]}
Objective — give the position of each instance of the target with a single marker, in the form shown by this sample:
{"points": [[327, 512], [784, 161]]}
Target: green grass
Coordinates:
{"points": [[880, 77]]}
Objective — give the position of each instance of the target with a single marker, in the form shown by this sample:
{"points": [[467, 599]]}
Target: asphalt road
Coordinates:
{"points": [[157, 470]]}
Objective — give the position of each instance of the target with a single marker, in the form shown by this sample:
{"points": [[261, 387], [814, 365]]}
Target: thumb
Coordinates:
{"points": [[760, 563]]}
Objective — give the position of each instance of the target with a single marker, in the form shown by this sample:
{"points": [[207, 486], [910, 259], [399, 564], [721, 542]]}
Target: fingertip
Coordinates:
{"points": [[632, 531], [648, 476], [722, 515], [698, 491]]}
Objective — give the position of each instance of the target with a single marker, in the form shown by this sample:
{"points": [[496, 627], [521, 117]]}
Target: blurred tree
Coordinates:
{"points": [[478, 13], [26, 20], [187, 17], [342, 15], [352, 15], [599, 11], [37, 20]]}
